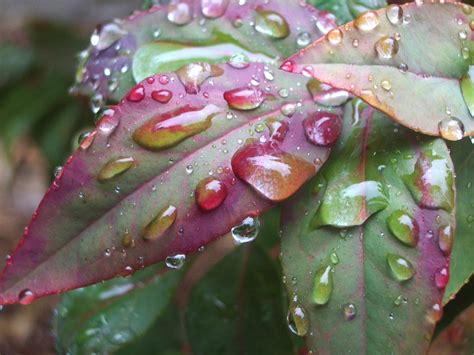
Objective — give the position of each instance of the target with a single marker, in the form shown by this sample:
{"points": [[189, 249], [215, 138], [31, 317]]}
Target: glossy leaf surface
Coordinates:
{"points": [[346, 10], [105, 317], [237, 308], [462, 263], [164, 38], [380, 294], [148, 207], [398, 55]]}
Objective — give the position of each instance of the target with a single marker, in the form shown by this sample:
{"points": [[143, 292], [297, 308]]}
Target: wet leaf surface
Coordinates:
{"points": [[344, 10], [364, 288]]}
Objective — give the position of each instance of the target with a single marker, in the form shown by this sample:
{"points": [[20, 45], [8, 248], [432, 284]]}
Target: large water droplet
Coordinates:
{"points": [[194, 74], [246, 231], [386, 47], [115, 167], [273, 173], [451, 129], [367, 21], [246, 98], [26, 296], [175, 261], [180, 13], [335, 36], [297, 319], [137, 94], [161, 223], [323, 128], [401, 268], [167, 130], [271, 24], [404, 227], [394, 14], [445, 239], [214, 8], [210, 194], [323, 285], [162, 96], [326, 95]]}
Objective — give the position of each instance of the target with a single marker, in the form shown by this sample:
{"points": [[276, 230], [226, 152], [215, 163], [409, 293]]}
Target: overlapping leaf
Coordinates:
{"points": [[158, 179], [166, 37], [375, 288], [411, 62], [346, 10]]}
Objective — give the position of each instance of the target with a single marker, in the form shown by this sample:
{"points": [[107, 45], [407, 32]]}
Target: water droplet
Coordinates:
{"points": [[404, 227], [137, 94], [349, 310], [169, 129], [297, 319], [106, 35], [398, 301], [161, 223], [180, 13], [334, 258], [434, 314], [162, 96], [323, 285], [451, 129], [367, 21], [26, 296], [335, 36], [246, 231], [175, 261], [210, 194], [287, 66], [246, 98], [386, 85], [288, 109], [239, 61], [273, 173], [442, 278], [194, 74], [323, 128], [214, 8], [86, 139], [115, 167], [401, 268], [128, 241], [445, 239], [272, 24], [394, 14], [326, 95], [303, 39], [386, 47], [58, 171]]}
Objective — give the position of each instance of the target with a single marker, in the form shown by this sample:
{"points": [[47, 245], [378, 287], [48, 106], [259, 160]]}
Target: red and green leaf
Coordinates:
{"points": [[377, 287], [164, 38], [127, 197], [399, 59]]}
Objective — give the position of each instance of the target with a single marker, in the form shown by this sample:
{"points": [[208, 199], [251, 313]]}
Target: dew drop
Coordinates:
{"points": [[26, 296], [86, 139], [288, 109], [404, 227], [303, 39], [245, 99], [367, 21], [323, 128], [128, 241], [214, 8], [239, 61], [386, 47], [349, 310], [161, 223], [106, 35], [434, 314], [137, 94], [451, 129], [246, 231], [401, 268], [334, 258], [180, 13], [175, 261], [445, 239], [115, 167], [394, 14], [297, 319], [335, 36], [272, 24], [323, 285], [442, 278], [162, 96], [386, 85], [287, 66], [210, 193], [194, 74]]}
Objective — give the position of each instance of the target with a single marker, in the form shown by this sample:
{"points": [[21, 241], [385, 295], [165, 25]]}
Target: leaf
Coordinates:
{"points": [[166, 37], [366, 288], [346, 10], [398, 55], [15, 61], [105, 317], [458, 337], [462, 263], [237, 308], [135, 178]]}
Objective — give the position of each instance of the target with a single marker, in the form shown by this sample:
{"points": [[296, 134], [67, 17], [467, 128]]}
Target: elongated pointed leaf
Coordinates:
{"points": [[160, 179], [237, 308], [400, 58], [462, 263], [378, 287], [346, 10], [105, 317], [164, 38]]}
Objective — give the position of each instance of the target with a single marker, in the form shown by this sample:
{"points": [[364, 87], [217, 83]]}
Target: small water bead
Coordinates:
{"points": [[398, 301], [386, 85], [401, 268], [323, 285], [394, 14], [246, 231], [194, 74], [283, 93], [451, 129], [161, 223], [96, 103], [303, 39], [297, 319], [58, 171], [335, 36], [442, 278], [323, 128], [214, 8], [404, 227], [115, 167], [386, 47], [355, 43], [445, 239], [434, 314], [245, 99], [288, 109], [334, 258], [349, 310], [162, 96], [26, 296], [210, 194], [128, 241], [367, 21], [272, 24], [287, 66], [180, 13], [239, 61], [175, 261], [137, 94], [86, 139]]}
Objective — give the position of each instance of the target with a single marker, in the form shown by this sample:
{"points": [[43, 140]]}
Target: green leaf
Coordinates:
{"points": [[237, 308], [365, 288], [346, 10], [15, 61], [103, 318], [401, 54], [462, 262]]}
